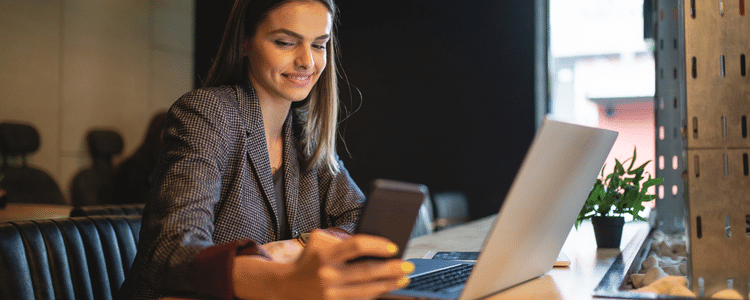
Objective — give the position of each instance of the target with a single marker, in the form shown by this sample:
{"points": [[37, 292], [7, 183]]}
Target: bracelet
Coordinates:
{"points": [[303, 238]]}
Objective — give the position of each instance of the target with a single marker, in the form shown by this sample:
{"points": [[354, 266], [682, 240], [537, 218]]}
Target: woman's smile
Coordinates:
{"points": [[298, 79]]}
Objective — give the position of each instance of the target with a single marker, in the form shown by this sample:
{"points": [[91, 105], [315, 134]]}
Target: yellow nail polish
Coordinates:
{"points": [[404, 281], [407, 267], [392, 248]]}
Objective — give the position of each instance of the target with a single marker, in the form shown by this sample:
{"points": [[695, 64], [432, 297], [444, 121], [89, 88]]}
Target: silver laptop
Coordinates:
{"points": [[538, 212]]}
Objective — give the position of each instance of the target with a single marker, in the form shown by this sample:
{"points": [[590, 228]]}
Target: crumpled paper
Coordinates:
{"points": [[677, 286]]}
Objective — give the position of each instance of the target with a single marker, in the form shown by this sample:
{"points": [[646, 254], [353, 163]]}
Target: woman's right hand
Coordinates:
{"points": [[323, 271]]}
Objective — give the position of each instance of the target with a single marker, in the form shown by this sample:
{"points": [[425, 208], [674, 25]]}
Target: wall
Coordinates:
{"points": [[70, 66], [447, 91]]}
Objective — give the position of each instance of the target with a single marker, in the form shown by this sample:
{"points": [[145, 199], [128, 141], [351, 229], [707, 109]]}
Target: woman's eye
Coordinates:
{"points": [[319, 47], [283, 43]]}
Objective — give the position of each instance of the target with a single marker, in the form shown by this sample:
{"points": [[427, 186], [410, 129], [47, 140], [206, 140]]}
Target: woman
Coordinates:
{"points": [[248, 166]]}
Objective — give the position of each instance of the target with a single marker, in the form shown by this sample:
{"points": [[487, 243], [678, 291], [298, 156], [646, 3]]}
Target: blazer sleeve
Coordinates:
{"points": [[342, 199], [199, 134]]}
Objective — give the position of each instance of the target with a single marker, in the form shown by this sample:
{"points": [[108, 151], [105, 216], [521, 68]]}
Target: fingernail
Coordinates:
{"points": [[404, 281], [392, 248], [407, 267]]}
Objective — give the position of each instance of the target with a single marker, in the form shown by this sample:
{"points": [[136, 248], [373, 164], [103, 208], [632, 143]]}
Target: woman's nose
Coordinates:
{"points": [[305, 58]]}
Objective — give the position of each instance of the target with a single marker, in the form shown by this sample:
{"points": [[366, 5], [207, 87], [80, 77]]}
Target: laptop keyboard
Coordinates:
{"points": [[441, 279]]}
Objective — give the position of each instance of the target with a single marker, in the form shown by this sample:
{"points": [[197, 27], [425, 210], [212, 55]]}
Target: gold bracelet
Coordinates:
{"points": [[303, 238]]}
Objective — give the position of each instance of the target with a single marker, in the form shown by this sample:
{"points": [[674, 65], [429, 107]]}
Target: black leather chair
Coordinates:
{"points": [[93, 185], [23, 183], [108, 209], [75, 258]]}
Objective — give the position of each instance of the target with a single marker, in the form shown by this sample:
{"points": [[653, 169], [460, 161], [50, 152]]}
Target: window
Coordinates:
{"points": [[601, 71]]}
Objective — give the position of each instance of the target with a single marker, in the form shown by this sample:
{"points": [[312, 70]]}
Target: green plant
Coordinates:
{"points": [[619, 192]]}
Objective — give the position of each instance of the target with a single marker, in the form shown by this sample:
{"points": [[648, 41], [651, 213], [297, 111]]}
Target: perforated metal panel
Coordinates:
{"points": [[719, 191], [717, 102], [669, 104]]}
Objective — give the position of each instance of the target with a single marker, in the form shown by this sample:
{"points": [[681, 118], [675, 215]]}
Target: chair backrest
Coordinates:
{"points": [[93, 185], [23, 183], [75, 258], [103, 144], [19, 140], [451, 208], [424, 224]]}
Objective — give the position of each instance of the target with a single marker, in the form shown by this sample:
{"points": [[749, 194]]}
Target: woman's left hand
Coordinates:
{"points": [[284, 251]]}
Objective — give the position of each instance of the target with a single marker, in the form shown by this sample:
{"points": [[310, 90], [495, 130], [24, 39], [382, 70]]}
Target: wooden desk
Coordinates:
{"points": [[33, 211], [588, 263]]}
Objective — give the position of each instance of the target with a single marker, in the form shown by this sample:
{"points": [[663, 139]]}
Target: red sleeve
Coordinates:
{"points": [[213, 267]]}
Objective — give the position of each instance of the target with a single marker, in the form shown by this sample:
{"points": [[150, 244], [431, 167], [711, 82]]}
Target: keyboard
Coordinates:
{"points": [[441, 279]]}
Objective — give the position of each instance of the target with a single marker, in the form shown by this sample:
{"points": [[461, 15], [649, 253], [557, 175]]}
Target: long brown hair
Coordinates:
{"points": [[318, 114]]}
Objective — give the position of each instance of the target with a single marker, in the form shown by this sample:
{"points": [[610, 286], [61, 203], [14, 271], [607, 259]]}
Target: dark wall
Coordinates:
{"points": [[210, 18], [447, 93]]}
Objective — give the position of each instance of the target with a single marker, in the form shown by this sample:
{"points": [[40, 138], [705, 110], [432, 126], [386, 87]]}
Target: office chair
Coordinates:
{"points": [[93, 185], [23, 183], [424, 224]]}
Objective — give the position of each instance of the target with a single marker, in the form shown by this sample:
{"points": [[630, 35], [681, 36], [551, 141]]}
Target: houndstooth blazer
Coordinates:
{"points": [[213, 185]]}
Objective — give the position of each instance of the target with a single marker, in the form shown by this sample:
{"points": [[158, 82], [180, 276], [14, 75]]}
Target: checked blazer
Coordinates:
{"points": [[213, 185]]}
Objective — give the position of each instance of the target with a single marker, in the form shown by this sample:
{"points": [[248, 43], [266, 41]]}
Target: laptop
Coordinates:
{"points": [[539, 210]]}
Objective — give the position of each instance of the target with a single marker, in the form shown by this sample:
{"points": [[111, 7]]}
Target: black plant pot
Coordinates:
{"points": [[608, 231]]}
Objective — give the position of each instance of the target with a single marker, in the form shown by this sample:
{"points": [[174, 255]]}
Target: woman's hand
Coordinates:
{"points": [[323, 268], [322, 271], [285, 251]]}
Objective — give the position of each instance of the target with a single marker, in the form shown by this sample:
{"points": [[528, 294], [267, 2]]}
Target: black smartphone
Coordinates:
{"points": [[391, 210]]}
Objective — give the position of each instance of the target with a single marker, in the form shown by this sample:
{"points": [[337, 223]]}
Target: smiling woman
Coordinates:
{"points": [[277, 45], [248, 169], [287, 54]]}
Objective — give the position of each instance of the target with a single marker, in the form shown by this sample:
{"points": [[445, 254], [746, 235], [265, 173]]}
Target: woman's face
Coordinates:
{"points": [[288, 51]]}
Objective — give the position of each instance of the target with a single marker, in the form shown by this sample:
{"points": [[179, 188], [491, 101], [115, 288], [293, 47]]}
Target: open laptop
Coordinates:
{"points": [[539, 210]]}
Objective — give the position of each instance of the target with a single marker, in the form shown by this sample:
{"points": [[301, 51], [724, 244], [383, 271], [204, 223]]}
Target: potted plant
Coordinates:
{"points": [[621, 192]]}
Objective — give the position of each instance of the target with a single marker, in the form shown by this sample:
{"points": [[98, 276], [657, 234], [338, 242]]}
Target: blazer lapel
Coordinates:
{"points": [[291, 172], [256, 144]]}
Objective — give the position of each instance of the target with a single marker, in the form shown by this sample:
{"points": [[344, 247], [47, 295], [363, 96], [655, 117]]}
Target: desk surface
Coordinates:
{"points": [[588, 264], [33, 211]]}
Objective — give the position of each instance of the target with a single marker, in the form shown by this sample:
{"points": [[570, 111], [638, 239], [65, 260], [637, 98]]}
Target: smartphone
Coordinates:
{"points": [[391, 210]]}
